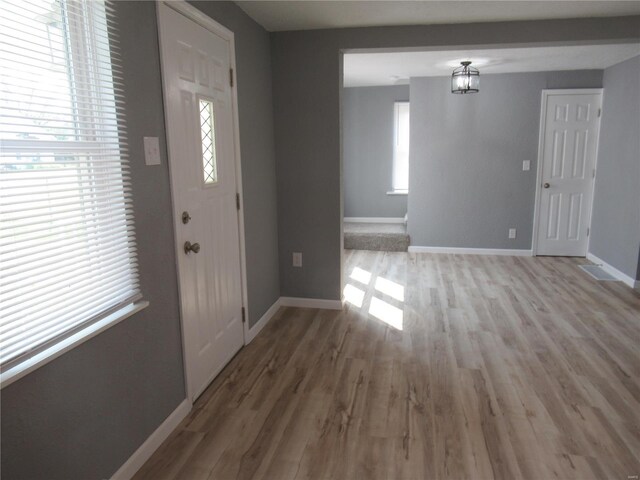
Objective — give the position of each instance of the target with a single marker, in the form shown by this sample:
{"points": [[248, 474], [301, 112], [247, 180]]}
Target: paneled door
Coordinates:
{"points": [[199, 121], [569, 141]]}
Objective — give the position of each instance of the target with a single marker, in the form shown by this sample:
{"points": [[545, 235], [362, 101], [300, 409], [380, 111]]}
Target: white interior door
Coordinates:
{"points": [[571, 124], [199, 117]]}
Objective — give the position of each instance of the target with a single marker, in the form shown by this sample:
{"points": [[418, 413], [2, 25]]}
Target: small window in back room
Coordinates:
{"points": [[400, 182]]}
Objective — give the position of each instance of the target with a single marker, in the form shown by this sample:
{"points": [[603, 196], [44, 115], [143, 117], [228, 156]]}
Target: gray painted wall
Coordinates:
{"points": [[306, 71], [82, 415], [615, 224], [367, 129], [466, 183]]}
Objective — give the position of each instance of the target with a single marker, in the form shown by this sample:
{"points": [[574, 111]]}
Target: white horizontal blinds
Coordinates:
{"points": [[401, 147], [67, 247]]}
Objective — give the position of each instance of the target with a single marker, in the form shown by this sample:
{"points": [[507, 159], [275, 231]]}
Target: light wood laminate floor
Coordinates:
{"points": [[442, 366]]}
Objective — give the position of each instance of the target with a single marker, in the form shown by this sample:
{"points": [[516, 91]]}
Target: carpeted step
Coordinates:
{"points": [[381, 237]]}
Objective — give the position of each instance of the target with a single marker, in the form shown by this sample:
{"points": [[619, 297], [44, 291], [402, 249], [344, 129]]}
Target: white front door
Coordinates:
{"points": [[569, 146], [199, 119]]}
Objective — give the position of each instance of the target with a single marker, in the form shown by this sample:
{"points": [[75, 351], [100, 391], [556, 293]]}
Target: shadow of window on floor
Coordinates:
{"points": [[377, 308]]}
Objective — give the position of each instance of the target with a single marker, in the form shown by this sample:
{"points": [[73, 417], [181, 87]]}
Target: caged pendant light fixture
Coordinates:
{"points": [[465, 79]]}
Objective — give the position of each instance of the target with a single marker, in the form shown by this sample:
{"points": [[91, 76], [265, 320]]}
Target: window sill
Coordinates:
{"points": [[398, 192], [9, 376]]}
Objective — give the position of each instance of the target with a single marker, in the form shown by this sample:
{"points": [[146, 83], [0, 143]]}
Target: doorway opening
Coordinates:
{"points": [[375, 126], [476, 175]]}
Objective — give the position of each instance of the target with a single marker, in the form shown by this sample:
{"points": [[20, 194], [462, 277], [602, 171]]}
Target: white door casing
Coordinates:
{"points": [[569, 129], [199, 113]]}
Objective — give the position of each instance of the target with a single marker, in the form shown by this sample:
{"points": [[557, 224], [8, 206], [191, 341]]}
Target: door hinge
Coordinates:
{"points": [[588, 230], [243, 316], [593, 173], [599, 112], [238, 201], [231, 77]]}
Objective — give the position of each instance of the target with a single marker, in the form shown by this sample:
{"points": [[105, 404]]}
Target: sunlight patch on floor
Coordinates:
{"points": [[353, 295], [390, 288], [361, 275], [389, 314]]}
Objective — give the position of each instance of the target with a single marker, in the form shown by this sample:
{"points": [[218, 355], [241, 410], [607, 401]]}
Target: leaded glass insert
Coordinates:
{"points": [[207, 131]]}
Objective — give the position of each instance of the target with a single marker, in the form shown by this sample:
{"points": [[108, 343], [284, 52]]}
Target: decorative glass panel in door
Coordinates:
{"points": [[207, 132]]}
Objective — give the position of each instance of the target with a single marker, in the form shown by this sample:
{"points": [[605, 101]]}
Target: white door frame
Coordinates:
{"points": [[195, 15], [541, 139]]}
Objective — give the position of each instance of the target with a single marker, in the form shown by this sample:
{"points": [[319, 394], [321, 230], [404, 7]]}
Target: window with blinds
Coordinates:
{"points": [[400, 182], [67, 248]]}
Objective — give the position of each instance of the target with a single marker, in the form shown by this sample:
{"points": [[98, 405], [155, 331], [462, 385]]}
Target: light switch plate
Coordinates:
{"points": [[151, 151], [297, 259], [526, 165], [512, 233]]}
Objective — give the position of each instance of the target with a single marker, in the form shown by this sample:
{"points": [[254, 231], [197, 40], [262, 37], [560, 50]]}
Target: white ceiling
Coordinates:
{"points": [[307, 15], [395, 68]]}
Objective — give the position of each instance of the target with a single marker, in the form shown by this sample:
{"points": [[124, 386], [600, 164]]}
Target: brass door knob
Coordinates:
{"points": [[546, 185], [191, 247]]}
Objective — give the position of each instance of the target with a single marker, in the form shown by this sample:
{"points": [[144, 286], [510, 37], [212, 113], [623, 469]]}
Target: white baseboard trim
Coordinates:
{"points": [[374, 219], [310, 303], [151, 444], [260, 324], [613, 271], [472, 251]]}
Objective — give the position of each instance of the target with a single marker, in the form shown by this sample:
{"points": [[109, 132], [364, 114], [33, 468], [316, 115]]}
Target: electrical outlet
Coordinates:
{"points": [[512, 233], [526, 165], [297, 259]]}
